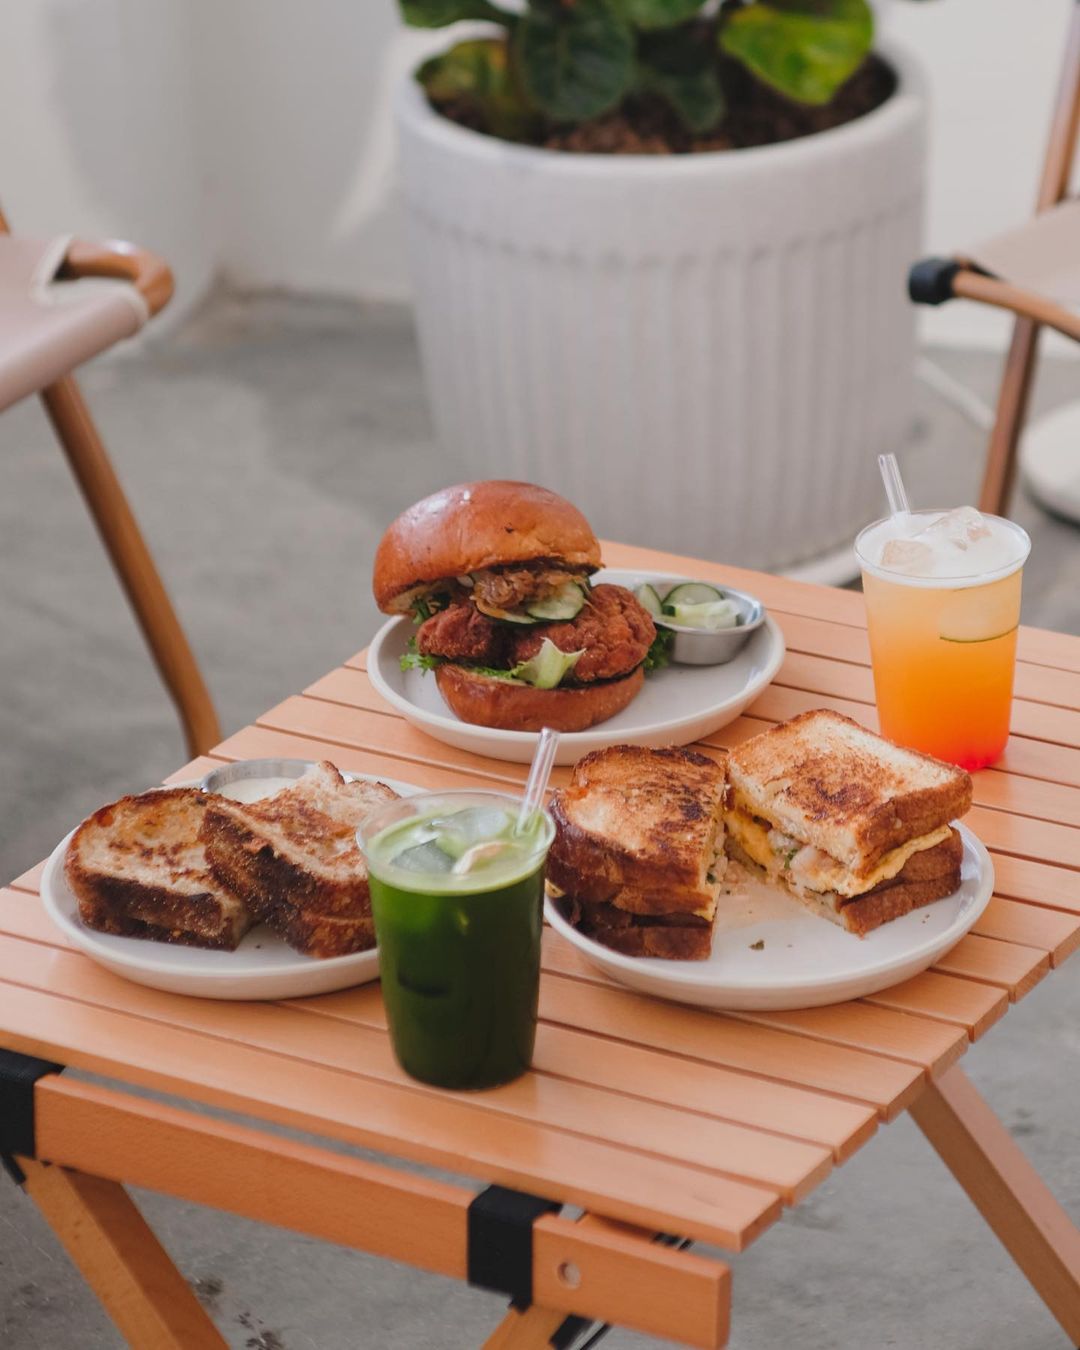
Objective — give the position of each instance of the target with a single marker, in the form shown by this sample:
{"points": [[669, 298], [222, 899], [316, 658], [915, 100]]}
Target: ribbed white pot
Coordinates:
{"points": [[705, 352]]}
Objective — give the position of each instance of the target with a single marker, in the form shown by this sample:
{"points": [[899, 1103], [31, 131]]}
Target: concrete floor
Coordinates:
{"points": [[265, 447]]}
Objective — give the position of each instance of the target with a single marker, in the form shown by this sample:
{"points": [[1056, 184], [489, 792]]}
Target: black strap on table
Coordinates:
{"points": [[18, 1074], [500, 1241]]}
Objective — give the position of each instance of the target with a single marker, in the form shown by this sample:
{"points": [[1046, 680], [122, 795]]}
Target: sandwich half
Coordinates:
{"points": [[138, 869], [294, 860], [855, 827], [638, 854]]}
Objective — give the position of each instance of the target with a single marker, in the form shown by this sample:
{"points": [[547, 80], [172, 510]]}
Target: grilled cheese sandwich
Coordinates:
{"points": [[638, 856], [838, 815], [778, 852]]}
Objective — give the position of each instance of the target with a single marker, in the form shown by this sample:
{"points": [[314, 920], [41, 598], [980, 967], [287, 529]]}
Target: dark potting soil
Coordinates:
{"points": [[756, 115]]}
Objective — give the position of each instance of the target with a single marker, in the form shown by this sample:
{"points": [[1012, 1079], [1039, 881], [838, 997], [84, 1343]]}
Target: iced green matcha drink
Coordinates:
{"points": [[457, 897]]}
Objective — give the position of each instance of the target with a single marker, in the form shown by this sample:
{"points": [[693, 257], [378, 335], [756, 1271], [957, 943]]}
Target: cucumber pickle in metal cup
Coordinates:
{"points": [[457, 899]]}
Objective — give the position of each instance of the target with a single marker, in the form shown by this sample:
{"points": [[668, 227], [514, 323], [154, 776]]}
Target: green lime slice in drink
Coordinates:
{"points": [[992, 637]]}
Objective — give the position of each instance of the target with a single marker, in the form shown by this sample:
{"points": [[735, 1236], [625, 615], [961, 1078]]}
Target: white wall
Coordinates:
{"points": [[96, 134], [255, 136]]}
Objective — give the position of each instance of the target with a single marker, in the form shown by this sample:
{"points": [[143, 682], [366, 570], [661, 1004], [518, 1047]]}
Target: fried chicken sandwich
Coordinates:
{"points": [[497, 576]]}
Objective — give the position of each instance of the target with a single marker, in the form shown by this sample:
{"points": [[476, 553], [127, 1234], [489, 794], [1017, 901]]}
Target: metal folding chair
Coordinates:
{"points": [[42, 339], [1034, 271]]}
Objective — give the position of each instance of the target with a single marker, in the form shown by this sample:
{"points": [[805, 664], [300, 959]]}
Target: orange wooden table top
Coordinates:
{"points": [[676, 1120]]}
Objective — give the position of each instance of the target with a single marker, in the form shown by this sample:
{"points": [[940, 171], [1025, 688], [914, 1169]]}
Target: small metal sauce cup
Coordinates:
{"points": [[217, 779], [705, 647]]}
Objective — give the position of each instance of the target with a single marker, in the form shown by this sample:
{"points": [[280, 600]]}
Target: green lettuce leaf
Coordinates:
{"points": [[659, 654], [415, 660]]}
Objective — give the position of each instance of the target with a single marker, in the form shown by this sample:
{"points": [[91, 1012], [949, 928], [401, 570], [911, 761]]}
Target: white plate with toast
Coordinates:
{"points": [[263, 966], [678, 705], [769, 953]]}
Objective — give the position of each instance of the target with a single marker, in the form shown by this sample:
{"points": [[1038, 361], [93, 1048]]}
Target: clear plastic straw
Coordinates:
{"points": [[539, 774], [895, 491]]}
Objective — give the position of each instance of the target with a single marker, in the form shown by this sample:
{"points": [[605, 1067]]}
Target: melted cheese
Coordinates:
{"points": [[818, 871]]}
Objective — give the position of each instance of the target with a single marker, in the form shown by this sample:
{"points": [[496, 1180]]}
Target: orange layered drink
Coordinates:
{"points": [[943, 607]]}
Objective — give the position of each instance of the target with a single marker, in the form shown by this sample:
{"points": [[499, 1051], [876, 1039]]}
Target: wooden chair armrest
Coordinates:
{"points": [[969, 285], [149, 274]]}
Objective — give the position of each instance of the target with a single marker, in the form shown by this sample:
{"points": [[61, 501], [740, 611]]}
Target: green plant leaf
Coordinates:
{"points": [[577, 60], [680, 66], [477, 73], [657, 13], [806, 49], [440, 13]]}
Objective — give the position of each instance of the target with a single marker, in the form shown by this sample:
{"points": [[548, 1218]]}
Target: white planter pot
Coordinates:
{"points": [[705, 352]]}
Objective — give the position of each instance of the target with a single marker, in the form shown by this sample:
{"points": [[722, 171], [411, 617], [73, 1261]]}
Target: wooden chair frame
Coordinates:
{"points": [[961, 278], [109, 507]]}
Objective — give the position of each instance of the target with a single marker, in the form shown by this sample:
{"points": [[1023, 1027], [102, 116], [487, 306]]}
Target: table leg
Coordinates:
{"points": [[121, 1259], [1006, 1190], [530, 1329]]}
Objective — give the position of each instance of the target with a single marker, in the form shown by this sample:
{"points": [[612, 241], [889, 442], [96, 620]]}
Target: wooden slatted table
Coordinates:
{"points": [[649, 1117]]}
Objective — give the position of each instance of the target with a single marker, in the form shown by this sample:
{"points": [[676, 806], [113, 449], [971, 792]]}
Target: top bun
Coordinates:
{"points": [[473, 526]]}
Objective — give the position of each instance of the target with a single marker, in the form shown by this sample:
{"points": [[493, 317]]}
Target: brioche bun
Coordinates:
{"points": [[472, 526], [490, 702]]}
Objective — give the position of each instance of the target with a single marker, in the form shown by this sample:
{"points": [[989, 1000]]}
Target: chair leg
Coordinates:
{"points": [[134, 566], [1013, 396]]}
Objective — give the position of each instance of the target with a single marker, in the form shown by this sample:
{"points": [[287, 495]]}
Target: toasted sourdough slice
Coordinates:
{"points": [[642, 830], [138, 869], [928, 875], [824, 781], [676, 937], [317, 934], [294, 858]]}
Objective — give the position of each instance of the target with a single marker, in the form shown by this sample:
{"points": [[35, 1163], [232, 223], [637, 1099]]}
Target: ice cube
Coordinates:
{"points": [[910, 556], [962, 527], [474, 825], [426, 857]]}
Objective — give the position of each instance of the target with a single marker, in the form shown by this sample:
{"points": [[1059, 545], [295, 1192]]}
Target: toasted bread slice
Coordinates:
{"points": [[317, 934], [137, 869], [641, 829], [294, 859], [264, 881], [827, 782], [675, 937]]}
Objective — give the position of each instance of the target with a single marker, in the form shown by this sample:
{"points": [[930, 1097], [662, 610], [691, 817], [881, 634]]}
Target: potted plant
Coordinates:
{"points": [[659, 249]]}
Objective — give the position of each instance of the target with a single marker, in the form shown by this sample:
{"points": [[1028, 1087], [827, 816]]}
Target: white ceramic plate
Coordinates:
{"points": [[263, 965], [678, 705], [805, 961]]}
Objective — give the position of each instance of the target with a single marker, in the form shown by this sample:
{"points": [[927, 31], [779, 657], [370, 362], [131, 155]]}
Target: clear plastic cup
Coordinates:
{"points": [[457, 899], [943, 647]]}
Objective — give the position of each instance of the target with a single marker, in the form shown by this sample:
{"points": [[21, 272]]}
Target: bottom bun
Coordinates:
{"points": [[491, 702]]}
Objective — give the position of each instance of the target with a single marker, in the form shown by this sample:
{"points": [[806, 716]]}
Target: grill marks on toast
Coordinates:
{"points": [[638, 833], [639, 820], [294, 859], [828, 782], [138, 869], [183, 866]]}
